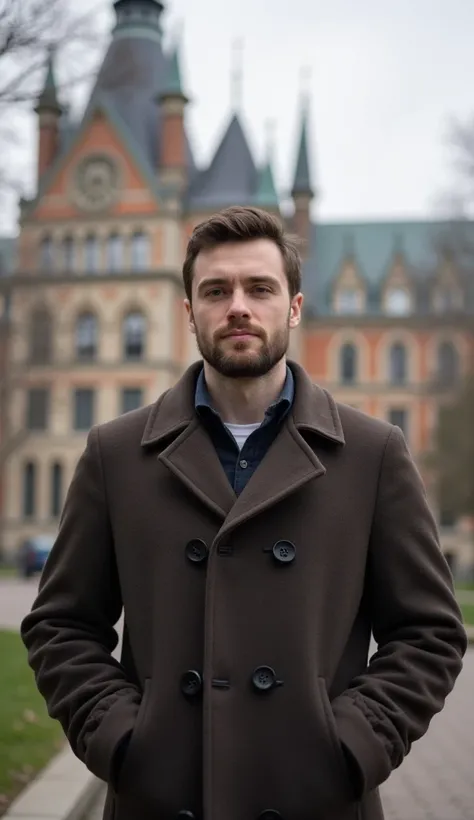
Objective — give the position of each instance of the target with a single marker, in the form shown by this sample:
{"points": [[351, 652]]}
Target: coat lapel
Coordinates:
{"points": [[291, 461], [192, 458], [186, 449]]}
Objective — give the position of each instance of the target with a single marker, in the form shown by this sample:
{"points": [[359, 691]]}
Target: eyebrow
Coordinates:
{"points": [[253, 280]]}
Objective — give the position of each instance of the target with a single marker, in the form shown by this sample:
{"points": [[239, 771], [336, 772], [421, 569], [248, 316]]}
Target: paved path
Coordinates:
{"points": [[436, 780], [16, 599]]}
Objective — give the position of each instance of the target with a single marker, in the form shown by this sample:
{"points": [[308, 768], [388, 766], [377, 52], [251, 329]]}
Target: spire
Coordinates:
{"points": [[237, 74], [267, 195], [302, 178], [48, 99], [173, 86]]}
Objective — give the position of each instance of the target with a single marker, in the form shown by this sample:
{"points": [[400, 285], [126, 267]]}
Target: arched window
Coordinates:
{"points": [[348, 363], [41, 337], [114, 252], [398, 302], [87, 337], [140, 251], [57, 476], [47, 255], [91, 254], [134, 335], [68, 254], [448, 363], [29, 489], [398, 363]]}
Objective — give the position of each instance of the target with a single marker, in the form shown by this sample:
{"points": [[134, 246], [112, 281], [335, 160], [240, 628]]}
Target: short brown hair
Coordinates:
{"points": [[239, 224]]}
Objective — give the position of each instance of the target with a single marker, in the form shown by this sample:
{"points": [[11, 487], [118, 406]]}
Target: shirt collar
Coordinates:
{"points": [[278, 408]]}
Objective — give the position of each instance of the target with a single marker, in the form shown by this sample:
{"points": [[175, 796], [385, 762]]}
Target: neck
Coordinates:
{"points": [[244, 401]]}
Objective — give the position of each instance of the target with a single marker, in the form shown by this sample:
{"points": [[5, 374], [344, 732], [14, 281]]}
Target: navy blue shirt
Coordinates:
{"points": [[239, 465]]}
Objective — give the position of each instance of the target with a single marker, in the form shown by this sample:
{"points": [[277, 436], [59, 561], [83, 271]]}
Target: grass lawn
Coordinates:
{"points": [[468, 613], [8, 572], [28, 737]]}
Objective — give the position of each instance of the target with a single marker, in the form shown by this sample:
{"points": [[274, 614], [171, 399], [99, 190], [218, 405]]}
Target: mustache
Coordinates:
{"points": [[244, 328]]}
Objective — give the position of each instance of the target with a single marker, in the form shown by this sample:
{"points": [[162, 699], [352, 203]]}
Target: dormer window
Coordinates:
{"points": [[348, 301], [398, 301], [447, 299]]}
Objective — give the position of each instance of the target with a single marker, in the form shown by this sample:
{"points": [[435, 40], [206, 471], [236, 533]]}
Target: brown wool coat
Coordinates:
{"points": [[237, 741]]}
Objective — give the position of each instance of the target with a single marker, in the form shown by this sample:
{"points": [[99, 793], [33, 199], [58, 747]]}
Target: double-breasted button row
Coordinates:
{"points": [[264, 679], [197, 552]]}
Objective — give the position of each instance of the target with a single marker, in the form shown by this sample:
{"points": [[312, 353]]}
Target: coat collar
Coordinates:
{"points": [[314, 409], [188, 453]]}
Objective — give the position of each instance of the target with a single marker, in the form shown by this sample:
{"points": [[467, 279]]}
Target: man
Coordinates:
{"points": [[255, 532]]}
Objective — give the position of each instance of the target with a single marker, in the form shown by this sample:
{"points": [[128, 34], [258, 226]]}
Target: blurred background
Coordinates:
{"points": [[124, 124]]}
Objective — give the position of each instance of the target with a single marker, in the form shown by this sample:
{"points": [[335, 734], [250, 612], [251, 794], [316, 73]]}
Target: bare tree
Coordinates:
{"points": [[29, 31]]}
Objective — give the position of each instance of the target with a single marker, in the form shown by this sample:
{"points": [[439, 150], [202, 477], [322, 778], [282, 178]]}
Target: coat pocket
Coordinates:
{"points": [[330, 726], [132, 755]]}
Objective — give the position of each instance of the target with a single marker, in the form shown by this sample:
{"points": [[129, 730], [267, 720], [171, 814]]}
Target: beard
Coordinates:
{"points": [[243, 361]]}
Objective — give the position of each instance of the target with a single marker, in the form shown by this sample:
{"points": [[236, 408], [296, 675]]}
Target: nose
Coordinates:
{"points": [[238, 307]]}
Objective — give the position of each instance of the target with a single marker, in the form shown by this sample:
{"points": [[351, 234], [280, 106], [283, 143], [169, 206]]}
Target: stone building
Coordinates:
{"points": [[94, 303]]}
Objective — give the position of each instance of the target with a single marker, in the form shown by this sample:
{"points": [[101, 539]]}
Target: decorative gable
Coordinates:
{"points": [[101, 176], [349, 292], [447, 293], [398, 292]]}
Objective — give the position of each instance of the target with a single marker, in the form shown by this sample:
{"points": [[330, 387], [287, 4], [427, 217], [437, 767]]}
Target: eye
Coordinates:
{"points": [[262, 289], [214, 293]]}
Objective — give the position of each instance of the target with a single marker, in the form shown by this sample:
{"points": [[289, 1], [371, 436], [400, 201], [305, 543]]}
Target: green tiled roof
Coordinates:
{"points": [[373, 245]]}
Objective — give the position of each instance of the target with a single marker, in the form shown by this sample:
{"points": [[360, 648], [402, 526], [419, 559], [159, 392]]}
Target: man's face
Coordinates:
{"points": [[241, 311]]}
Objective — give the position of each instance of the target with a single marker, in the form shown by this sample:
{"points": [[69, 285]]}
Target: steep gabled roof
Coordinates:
{"points": [[134, 73], [103, 103], [302, 182], [231, 178]]}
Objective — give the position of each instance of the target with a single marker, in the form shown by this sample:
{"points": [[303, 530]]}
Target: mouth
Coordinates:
{"points": [[240, 334]]}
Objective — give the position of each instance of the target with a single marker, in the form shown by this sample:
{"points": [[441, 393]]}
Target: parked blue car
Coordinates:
{"points": [[33, 553]]}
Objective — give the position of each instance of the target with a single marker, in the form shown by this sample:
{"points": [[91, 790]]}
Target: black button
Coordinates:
{"points": [[284, 552], [264, 678], [191, 683], [196, 551], [270, 814], [186, 815]]}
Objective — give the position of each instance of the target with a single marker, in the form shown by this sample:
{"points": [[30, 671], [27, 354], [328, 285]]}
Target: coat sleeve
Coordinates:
{"points": [[416, 623], [69, 633]]}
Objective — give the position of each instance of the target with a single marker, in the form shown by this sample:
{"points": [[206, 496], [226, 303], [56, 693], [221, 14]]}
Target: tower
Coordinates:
{"points": [[302, 190], [49, 112], [173, 160]]}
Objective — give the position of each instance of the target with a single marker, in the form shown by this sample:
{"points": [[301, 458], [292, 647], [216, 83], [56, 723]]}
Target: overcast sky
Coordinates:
{"points": [[386, 79]]}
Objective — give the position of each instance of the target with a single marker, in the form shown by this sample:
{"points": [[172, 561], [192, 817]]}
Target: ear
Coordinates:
{"points": [[189, 310], [295, 310]]}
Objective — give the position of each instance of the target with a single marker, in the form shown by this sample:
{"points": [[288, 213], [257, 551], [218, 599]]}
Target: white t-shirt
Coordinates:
{"points": [[241, 432]]}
